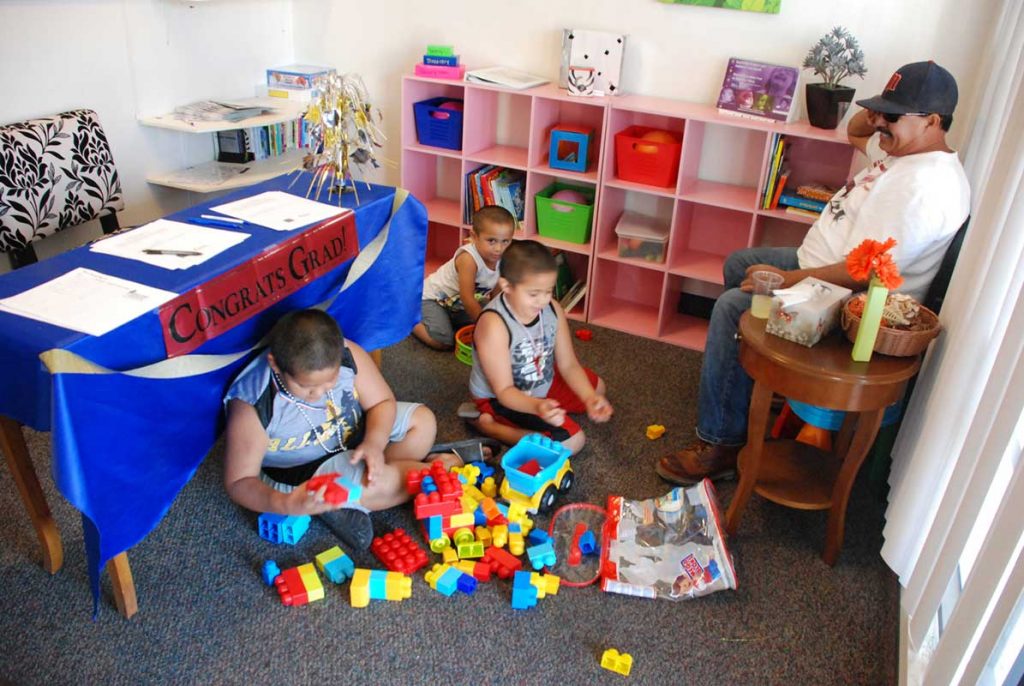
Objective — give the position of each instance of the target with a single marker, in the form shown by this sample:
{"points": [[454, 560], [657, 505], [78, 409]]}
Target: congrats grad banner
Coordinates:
{"points": [[126, 442]]}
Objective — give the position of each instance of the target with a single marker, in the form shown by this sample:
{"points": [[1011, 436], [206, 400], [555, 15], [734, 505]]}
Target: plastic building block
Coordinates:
{"points": [[466, 584], [398, 552], [483, 534], [471, 549], [278, 528], [481, 571], [463, 536], [503, 564], [499, 535], [359, 589], [270, 571], [588, 543], [547, 584], [440, 579], [429, 505], [486, 470], [489, 487], [584, 334], [538, 536], [655, 431], [516, 544], [376, 584], [435, 527], [571, 148], [299, 585], [542, 555], [449, 556], [337, 489], [531, 467], [524, 593], [615, 661], [438, 545], [463, 519], [535, 492], [335, 565]]}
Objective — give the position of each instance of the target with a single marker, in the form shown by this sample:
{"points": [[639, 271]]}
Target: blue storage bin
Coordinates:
{"points": [[832, 420], [437, 126]]}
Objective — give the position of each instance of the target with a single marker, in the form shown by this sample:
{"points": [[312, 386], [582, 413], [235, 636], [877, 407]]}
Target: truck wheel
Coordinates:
{"points": [[568, 479], [548, 499]]}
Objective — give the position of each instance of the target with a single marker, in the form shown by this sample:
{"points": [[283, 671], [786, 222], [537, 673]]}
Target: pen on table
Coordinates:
{"points": [[221, 218], [177, 253], [213, 222]]}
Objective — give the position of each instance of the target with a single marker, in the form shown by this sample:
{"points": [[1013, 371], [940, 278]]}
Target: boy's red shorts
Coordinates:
{"points": [[560, 391]]}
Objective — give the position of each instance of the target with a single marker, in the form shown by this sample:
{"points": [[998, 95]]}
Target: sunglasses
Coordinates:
{"points": [[893, 118]]}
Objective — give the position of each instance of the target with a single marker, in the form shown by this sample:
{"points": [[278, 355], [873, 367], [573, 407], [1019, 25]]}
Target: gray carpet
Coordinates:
{"points": [[205, 616]]}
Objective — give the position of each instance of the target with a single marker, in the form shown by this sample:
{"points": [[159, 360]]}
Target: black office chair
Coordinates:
{"points": [[55, 172]]}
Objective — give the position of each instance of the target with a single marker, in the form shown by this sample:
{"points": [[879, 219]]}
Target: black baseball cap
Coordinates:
{"points": [[920, 87]]}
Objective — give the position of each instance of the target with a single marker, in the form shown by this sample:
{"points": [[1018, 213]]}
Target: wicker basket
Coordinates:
{"points": [[895, 342]]}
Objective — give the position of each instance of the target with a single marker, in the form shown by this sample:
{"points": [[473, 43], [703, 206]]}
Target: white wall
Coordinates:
{"points": [[673, 51], [124, 58]]}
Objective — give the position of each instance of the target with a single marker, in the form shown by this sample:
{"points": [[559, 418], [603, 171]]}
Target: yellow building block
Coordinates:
{"points": [[473, 492], [655, 431], [516, 545], [468, 504], [464, 535], [397, 586], [547, 584], [465, 519], [516, 512], [449, 556], [439, 545], [472, 474], [483, 534], [359, 588], [621, 663], [489, 487], [499, 535], [310, 579], [326, 557]]}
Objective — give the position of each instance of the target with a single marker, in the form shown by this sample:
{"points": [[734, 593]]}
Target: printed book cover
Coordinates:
{"points": [[506, 77], [758, 89]]}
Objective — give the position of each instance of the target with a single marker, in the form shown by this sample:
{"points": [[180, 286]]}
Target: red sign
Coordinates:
{"points": [[218, 305]]}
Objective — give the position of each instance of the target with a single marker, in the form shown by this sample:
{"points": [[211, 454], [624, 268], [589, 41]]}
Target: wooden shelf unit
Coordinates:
{"points": [[712, 209]]}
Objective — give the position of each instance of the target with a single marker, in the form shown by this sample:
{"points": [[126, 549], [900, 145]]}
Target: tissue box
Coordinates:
{"points": [[807, 321]]}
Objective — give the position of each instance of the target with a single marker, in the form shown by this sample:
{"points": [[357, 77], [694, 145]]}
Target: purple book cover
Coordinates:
{"points": [[758, 89]]}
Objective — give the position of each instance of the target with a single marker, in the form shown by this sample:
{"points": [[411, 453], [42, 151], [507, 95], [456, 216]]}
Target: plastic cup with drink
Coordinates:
{"points": [[765, 283]]}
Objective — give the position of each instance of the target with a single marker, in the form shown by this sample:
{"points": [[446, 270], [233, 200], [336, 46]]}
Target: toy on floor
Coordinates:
{"points": [[536, 492], [584, 334], [299, 585], [278, 528], [376, 584], [615, 661], [399, 553], [577, 531], [337, 489], [529, 587], [335, 565], [655, 431]]}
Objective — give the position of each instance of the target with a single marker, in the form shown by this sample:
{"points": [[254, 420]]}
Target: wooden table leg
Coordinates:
{"points": [[750, 456], [842, 442], [124, 587], [867, 429], [12, 442]]}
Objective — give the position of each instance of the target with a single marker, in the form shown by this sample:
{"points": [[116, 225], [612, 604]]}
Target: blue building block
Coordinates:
{"points": [[571, 148], [515, 528], [378, 584], [466, 584], [541, 555], [340, 569], [486, 470], [435, 527], [537, 536], [449, 581], [479, 518], [524, 593], [588, 543], [270, 572], [427, 485], [278, 528]]}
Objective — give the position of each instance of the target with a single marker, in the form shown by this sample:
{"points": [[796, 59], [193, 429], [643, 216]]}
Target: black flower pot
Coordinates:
{"points": [[827, 106]]}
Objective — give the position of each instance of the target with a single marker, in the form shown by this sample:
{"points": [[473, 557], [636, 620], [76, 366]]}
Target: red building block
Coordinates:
{"points": [[398, 552], [502, 563], [584, 334], [431, 505], [290, 587]]}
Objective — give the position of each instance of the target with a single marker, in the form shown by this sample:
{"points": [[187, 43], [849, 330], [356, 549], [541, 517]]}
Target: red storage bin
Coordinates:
{"points": [[645, 161]]}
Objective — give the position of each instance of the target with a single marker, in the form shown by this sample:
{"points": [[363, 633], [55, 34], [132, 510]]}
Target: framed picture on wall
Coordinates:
{"points": [[763, 6]]}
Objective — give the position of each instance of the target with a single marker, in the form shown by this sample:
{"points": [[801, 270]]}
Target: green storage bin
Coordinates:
{"points": [[572, 225]]}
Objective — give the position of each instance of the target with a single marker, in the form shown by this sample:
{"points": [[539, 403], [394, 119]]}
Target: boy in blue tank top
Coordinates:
{"points": [[525, 376], [314, 404]]}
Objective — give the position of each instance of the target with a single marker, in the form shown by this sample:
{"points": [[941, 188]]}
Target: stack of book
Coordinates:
{"points": [[808, 200], [492, 185], [777, 173], [441, 62]]}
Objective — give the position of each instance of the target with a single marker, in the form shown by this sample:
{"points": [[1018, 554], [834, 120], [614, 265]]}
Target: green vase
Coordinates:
{"points": [[870, 321]]}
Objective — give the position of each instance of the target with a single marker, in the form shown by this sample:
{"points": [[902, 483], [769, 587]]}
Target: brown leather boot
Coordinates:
{"points": [[700, 460]]}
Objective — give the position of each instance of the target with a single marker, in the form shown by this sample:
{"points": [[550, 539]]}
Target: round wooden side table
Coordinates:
{"points": [[794, 474]]}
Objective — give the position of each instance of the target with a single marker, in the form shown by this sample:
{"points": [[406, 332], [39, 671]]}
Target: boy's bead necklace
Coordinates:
{"points": [[538, 349], [298, 405]]}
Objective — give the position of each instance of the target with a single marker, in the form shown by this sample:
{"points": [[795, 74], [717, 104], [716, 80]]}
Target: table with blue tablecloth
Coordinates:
{"points": [[110, 399]]}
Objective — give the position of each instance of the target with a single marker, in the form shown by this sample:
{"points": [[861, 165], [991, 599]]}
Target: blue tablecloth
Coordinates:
{"points": [[126, 438]]}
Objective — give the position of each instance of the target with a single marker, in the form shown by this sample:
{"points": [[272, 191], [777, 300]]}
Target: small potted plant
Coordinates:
{"points": [[834, 57]]}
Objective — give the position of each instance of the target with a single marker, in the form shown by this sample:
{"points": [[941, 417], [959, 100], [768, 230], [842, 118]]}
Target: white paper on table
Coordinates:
{"points": [[280, 211], [164, 234], [87, 301], [802, 292]]}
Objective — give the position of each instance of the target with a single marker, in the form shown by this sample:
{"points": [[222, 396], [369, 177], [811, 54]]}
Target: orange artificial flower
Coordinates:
{"points": [[872, 257]]}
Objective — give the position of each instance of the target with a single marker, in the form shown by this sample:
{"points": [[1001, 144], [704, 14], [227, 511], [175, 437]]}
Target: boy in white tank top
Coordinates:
{"points": [[452, 295]]}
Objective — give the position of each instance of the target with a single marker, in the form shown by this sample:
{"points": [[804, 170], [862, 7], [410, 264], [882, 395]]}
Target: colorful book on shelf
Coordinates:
{"points": [[768, 168], [434, 71], [803, 212], [816, 191], [759, 90], [791, 200], [505, 77], [441, 60], [574, 296], [773, 175], [779, 188]]}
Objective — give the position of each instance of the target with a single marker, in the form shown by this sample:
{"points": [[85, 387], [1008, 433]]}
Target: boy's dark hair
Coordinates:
{"points": [[492, 214], [307, 341], [523, 258]]}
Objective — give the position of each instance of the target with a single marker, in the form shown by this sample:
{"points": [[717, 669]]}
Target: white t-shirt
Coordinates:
{"points": [[443, 285], [920, 200]]}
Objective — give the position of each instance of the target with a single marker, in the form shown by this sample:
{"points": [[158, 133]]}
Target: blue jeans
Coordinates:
{"points": [[725, 388]]}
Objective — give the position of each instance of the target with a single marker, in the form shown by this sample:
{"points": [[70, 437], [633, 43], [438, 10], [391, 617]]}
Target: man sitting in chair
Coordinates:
{"points": [[913, 190]]}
